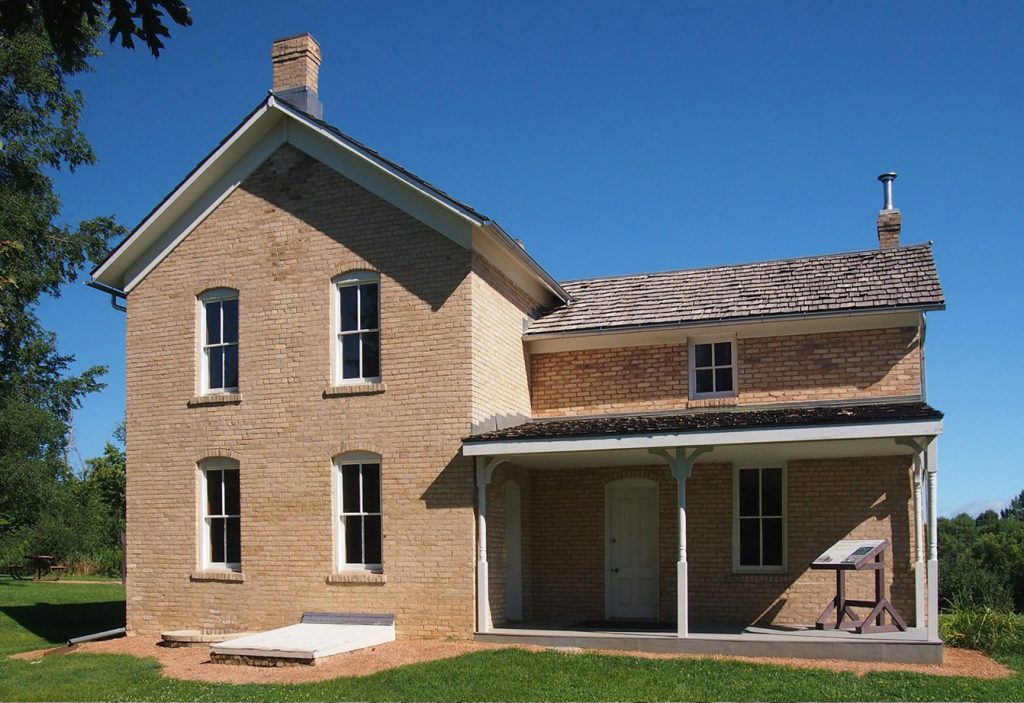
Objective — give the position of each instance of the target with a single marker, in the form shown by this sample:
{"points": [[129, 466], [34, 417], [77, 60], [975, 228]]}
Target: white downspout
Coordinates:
{"points": [[932, 466]]}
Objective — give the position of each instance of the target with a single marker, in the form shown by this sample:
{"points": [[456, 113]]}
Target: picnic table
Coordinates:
{"points": [[43, 564]]}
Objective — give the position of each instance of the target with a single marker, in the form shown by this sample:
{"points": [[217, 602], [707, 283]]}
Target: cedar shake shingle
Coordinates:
{"points": [[700, 421], [858, 281]]}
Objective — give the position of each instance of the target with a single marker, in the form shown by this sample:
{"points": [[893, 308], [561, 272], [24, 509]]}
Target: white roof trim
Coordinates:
{"points": [[268, 127], [878, 430]]}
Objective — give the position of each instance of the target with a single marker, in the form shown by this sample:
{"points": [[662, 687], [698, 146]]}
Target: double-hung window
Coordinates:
{"points": [[713, 369], [359, 527], [219, 341], [221, 515], [357, 327], [759, 519]]}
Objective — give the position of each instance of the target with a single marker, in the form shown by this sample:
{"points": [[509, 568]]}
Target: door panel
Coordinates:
{"points": [[632, 533]]}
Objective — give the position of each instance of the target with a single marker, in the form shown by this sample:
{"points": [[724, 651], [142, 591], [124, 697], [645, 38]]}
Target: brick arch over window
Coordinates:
{"points": [[651, 473], [215, 290], [214, 453]]}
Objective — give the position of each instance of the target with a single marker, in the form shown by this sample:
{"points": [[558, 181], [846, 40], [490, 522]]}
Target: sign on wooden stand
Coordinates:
{"points": [[858, 555]]}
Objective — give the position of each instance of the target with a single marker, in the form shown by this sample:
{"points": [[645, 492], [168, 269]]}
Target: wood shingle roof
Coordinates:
{"points": [[899, 277]]}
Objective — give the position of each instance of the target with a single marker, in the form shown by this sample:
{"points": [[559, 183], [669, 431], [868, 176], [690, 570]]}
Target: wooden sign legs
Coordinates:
{"points": [[845, 618]]}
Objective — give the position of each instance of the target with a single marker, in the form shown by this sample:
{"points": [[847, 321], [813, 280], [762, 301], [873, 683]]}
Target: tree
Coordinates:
{"points": [[43, 43], [70, 25], [1015, 509]]}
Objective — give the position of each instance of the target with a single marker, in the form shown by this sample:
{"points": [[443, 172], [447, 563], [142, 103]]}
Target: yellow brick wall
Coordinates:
{"points": [[828, 499], [849, 365], [279, 239], [500, 310]]}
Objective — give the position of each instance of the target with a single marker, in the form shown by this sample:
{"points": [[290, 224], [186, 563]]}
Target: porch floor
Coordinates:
{"points": [[910, 647]]}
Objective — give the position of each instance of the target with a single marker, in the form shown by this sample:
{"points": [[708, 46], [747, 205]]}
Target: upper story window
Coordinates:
{"points": [[359, 528], [219, 341], [357, 327], [713, 369], [221, 520], [759, 519]]}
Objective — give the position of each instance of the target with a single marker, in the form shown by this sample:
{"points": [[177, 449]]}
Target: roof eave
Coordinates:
{"points": [[753, 319]]}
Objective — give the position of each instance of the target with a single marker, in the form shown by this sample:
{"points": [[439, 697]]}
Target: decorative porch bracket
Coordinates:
{"points": [[484, 470], [680, 461]]}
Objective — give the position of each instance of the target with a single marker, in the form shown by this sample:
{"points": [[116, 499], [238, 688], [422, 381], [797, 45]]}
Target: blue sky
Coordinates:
{"points": [[627, 137]]}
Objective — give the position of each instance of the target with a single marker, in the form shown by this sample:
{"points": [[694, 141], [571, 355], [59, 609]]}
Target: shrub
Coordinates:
{"points": [[985, 629]]}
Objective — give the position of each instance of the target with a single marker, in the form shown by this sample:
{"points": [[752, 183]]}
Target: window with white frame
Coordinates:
{"points": [[221, 521], [219, 341], [759, 519], [359, 519], [713, 369], [357, 327]]}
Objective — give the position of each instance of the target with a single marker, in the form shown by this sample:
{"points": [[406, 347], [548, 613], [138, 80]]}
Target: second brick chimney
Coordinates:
{"points": [[296, 62], [890, 221]]}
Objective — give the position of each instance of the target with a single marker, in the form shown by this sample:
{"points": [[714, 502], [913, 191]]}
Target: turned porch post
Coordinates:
{"points": [[680, 461], [932, 468], [484, 470]]}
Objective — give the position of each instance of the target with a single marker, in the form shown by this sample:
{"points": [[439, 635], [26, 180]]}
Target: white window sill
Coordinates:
{"points": [[215, 399], [357, 577], [367, 388], [217, 575]]}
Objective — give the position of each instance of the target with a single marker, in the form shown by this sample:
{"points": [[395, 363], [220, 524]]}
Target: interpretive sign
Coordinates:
{"points": [[857, 555]]}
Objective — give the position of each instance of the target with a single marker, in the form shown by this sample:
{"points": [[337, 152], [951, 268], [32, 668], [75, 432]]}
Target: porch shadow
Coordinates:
{"points": [[58, 622]]}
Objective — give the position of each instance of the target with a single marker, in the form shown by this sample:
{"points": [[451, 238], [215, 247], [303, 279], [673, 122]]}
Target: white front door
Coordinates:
{"points": [[631, 519]]}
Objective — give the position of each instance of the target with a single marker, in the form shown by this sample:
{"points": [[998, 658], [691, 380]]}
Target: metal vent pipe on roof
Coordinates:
{"points": [[887, 179]]}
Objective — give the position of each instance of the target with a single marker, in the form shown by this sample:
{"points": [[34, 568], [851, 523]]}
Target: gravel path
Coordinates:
{"points": [[194, 662]]}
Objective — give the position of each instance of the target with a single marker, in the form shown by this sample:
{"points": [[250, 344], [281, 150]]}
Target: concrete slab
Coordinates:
{"points": [[306, 642]]}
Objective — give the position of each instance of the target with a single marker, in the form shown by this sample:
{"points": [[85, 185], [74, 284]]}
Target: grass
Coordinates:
{"points": [[33, 615]]}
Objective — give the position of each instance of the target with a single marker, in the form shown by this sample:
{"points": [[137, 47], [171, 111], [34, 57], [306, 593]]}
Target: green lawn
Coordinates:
{"points": [[33, 615]]}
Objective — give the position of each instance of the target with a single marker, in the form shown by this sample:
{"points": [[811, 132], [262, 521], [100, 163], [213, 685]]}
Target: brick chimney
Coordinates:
{"points": [[296, 62], [890, 221]]}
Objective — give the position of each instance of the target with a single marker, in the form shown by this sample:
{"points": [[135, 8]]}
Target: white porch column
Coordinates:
{"points": [[680, 461], [484, 470], [932, 468], [919, 446]]}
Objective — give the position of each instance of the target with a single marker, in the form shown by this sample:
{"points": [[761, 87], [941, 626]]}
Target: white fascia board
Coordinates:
{"points": [[781, 326], [180, 204], [915, 428]]}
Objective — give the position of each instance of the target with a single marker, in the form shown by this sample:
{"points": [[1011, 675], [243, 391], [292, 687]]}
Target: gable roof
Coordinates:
{"points": [[863, 281], [272, 123]]}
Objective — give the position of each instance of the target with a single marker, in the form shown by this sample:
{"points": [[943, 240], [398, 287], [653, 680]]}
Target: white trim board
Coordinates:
{"points": [[271, 125], [916, 428]]}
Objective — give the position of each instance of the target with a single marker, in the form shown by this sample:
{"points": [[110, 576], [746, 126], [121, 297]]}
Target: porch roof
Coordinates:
{"points": [[695, 428]]}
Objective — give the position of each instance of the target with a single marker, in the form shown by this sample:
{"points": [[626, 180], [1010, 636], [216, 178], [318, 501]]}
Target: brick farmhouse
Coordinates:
{"points": [[350, 392]]}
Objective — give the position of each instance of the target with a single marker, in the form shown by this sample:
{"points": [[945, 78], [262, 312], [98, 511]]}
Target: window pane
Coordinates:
{"points": [[232, 503], [750, 547], [216, 367], [723, 354], [373, 539], [230, 308], [772, 529], [231, 366], [748, 492], [354, 540], [702, 355], [368, 306], [771, 491], [350, 356], [350, 488], [234, 540], [213, 493], [371, 354], [704, 381], [212, 323], [723, 379], [371, 488], [349, 308], [217, 540]]}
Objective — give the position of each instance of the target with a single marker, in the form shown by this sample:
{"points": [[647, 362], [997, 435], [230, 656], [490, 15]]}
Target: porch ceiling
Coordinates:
{"points": [[735, 453]]}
